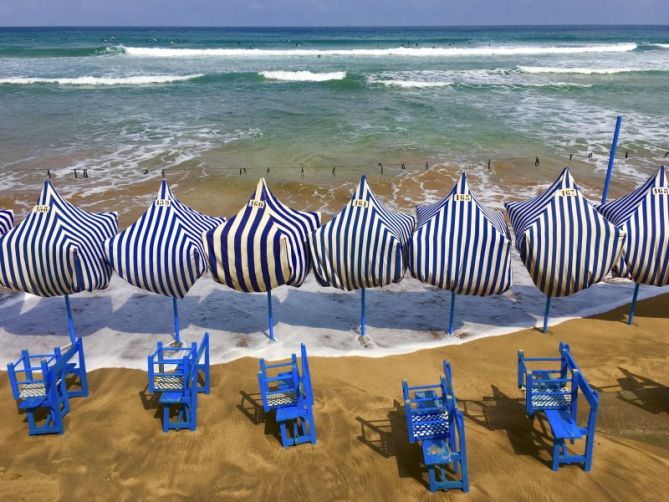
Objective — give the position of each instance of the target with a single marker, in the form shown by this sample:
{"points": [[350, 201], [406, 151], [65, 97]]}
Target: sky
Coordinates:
{"points": [[329, 12]]}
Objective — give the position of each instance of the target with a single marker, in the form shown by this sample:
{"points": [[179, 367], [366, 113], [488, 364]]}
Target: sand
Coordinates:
{"points": [[113, 447]]}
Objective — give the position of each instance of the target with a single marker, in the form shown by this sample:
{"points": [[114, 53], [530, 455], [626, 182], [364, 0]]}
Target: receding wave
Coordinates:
{"points": [[303, 76], [100, 81], [410, 84], [164, 52], [58, 52], [582, 71]]}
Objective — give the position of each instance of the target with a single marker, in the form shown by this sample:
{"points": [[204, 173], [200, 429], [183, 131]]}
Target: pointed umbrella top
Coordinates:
{"points": [[57, 249]]}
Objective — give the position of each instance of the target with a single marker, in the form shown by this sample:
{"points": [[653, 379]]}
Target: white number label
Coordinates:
{"points": [[41, 209], [163, 202], [462, 197], [257, 203], [568, 192], [360, 203], [661, 191]]}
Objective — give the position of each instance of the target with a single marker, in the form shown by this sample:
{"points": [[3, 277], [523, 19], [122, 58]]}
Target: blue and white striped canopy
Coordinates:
{"points": [[644, 216], [162, 251], [57, 249], [460, 246], [263, 246], [365, 245], [6, 220], [565, 243]]}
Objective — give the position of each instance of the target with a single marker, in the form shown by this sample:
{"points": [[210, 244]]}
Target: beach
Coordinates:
{"points": [[113, 446]]}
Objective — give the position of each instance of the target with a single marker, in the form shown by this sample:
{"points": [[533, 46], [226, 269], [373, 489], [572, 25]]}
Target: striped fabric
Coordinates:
{"points": [[644, 216], [263, 246], [364, 245], [6, 220], [566, 245], [460, 246], [57, 249], [162, 251]]}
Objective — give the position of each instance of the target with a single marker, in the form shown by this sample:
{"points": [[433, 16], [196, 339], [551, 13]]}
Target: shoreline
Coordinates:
{"points": [[362, 451]]}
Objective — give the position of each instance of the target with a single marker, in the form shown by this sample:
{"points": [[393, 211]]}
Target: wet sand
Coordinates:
{"points": [[113, 447]]}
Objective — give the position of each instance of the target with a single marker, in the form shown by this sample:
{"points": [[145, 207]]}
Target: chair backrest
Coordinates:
{"points": [[306, 376], [269, 384]]}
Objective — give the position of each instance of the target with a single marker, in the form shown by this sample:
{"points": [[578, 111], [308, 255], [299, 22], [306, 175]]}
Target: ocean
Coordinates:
{"points": [[122, 101]]}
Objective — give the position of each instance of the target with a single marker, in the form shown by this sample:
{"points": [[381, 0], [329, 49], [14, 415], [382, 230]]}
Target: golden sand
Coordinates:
{"points": [[114, 449]]}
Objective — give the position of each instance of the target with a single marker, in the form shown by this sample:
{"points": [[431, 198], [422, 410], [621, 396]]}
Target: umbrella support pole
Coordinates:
{"points": [[362, 313], [547, 313], [70, 320], [612, 157], [630, 317], [177, 323], [270, 317], [450, 318]]}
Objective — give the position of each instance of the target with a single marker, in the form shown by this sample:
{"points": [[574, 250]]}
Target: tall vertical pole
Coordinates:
{"points": [[70, 320], [630, 317], [177, 323], [270, 317], [450, 318], [362, 313], [547, 313], [612, 157]]}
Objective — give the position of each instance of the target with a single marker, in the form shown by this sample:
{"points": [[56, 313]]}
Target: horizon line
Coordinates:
{"points": [[240, 26]]}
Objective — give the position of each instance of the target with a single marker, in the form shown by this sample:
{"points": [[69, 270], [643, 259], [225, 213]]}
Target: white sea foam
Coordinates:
{"points": [[303, 76], [526, 50], [100, 81], [579, 71]]}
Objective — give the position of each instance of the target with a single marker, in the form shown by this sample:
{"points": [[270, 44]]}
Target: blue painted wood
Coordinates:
{"points": [[547, 313], [452, 314], [555, 393], [177, 323], [43, 384], [70, 320], [612, 157], [434, 420], [362, 312], [286, 390], [270, 317], [178, 374], [630, 318]]}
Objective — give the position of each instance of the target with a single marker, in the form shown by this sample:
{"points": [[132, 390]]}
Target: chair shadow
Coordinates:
{"points": [[528, 436], [387, 436], [251, 406], [641, 392], [151, 402]]}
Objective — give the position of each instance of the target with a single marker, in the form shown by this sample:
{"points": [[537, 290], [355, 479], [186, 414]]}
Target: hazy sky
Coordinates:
{"points": [[330, 12]]}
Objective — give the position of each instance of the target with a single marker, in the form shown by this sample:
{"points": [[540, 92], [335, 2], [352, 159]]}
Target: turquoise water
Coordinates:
{"points": [[122, 100]]}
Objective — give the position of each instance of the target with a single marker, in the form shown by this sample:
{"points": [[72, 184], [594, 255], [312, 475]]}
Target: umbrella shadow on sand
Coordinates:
{"points": [[528, 436], [641, 392]]}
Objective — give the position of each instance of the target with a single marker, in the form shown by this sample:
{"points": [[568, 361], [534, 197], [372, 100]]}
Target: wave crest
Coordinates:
{"points": [[302, 76], [100, 81]]}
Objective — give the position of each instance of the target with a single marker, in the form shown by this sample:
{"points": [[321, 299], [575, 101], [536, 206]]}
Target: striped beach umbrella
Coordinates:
{"points": [[365, 245], [162, 251], [461, 246], [262, 247], [564, 242], [6, 220], [57, 250], [643, 215]]}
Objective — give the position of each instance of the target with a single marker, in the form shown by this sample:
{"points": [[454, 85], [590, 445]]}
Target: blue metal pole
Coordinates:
{"points": [[450, 318], [630, 317], [546, 313], [612, 157], [70, 320], [177, 323], [269, 314], [362, 313]]}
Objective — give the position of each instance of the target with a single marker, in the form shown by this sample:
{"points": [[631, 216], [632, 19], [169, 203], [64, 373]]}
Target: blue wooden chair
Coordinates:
{"points": [[42, 385], [555, 393], [178, 374], [288, 392], [434, 420]]}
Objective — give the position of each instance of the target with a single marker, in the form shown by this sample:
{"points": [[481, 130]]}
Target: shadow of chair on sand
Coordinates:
{"points": [[528, 436], [641, 392], [388, 437], [251, 406], [151, 402]]}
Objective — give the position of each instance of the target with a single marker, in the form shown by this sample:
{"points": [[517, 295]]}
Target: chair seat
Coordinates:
{"points": [[168, 382], [564, 426], [554, 401], [31, 390], [436, 452], [430, 425], [281, 398], [174, 397], [32, 403], [290, 413]]}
